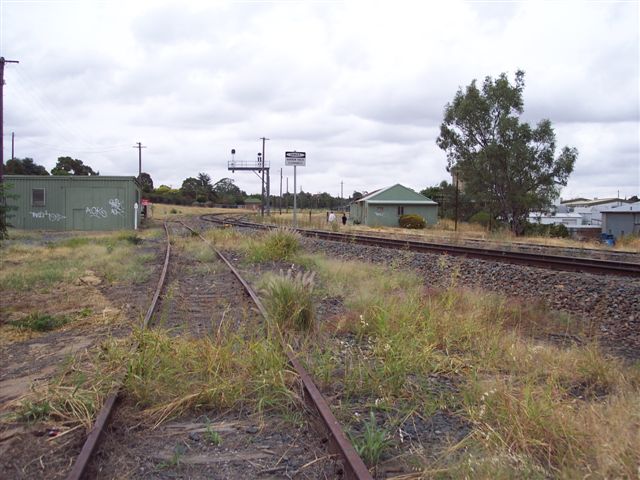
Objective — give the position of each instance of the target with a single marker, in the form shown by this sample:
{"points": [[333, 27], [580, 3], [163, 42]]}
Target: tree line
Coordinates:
{"points": [[508, 167]]}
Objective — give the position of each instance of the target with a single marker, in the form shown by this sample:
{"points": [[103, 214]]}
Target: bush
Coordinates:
{"points": [[412, 221], [483, 218], [278, 244], [557, 231]]}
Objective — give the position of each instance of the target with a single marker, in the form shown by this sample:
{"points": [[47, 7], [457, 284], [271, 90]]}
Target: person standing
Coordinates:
{"points": [[332, 217], [344, 218]]}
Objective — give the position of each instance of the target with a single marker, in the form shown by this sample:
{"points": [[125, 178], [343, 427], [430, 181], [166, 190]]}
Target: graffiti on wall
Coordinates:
{"points": [[52, 217], [116, 206], [96, 212]]}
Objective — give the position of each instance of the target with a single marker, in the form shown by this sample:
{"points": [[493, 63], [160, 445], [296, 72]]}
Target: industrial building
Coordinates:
{"points": [[385, 206], [622, 220], [73, 202]]}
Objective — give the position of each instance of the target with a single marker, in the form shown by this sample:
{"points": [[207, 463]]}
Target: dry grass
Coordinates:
{"points": [[537, 410]]}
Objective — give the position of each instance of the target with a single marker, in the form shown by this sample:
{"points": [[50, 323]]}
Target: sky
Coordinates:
{"points": [[360, 86]]}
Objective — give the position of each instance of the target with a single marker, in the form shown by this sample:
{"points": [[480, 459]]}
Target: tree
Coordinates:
{"points": [[506, 165], [205, 189], [190, 187], [226, 192], [5, 208], [25, 166], [146, 183], [71, 166], [445, 195]]}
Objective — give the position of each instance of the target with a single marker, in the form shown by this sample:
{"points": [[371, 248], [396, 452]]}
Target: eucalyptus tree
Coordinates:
{"points": [[507, 165]]}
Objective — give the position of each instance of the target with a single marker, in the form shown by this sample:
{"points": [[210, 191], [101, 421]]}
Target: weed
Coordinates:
{"points": [[289, 301], [279, 244], [173, 211], [129, 237], [40, 322], [178, 452], [212, 436], [373, 441], [74, 242], [32, 411]]}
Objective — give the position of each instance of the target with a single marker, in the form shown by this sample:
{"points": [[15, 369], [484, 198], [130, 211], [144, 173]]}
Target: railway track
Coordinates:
{"points": [[160, 310], [556, 262]]}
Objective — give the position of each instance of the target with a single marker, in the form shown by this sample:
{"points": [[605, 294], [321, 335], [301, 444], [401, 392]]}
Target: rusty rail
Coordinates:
{"points": [[556, 262], [103, 417], [353, 464]]}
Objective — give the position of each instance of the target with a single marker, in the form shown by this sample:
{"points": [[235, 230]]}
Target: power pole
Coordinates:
{"points": [[2, 62], [341, 195], [139, 146], [13, 140]]}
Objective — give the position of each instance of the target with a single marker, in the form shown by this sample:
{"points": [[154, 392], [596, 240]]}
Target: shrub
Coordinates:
{"points": [[483, 218], [559, 231], [412, 221]]}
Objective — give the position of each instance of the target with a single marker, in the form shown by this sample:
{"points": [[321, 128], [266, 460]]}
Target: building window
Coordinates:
{"points": [[400, 210], [37, 197]]}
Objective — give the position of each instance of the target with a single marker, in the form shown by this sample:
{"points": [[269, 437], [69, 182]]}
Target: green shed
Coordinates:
{"points": [[385, 206], [73, 202]]}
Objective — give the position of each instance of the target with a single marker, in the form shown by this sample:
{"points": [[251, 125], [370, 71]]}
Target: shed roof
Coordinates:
{"points": [[628, 208], [594, 202], [411, 197]]}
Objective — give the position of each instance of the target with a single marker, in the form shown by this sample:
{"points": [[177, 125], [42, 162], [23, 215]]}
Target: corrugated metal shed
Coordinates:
{"points": [[73, 202], [385, 206], [622, 220]]}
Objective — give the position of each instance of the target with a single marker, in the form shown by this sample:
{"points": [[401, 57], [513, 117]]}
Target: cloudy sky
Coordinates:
{"points": [[358, 85]]}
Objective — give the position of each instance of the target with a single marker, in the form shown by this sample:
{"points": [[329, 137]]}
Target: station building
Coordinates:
{"points": [[73, 202], [385, 206]]}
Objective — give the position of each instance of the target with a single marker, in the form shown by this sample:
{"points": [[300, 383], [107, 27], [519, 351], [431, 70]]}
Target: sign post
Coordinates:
{"points": [[296, 159]]}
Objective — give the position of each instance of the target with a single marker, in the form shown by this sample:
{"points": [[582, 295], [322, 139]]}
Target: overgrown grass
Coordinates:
{"points": [[279, 244], [535, 409], [41, 322], [169, 376], [114, 256], [289, 301]]}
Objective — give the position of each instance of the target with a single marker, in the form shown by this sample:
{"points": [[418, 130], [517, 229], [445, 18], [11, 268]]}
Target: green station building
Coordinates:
{"points": [[74, 202], [385, 206]]}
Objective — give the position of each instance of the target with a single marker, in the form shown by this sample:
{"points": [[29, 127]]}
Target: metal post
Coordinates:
{"points": [[280, 190], [295, 197], [261, 165], [268, 191], [456, 221], [13, 141]]}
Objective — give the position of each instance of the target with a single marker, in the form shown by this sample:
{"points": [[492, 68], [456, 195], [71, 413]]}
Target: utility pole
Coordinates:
{"points": [[2, 62], [139, 146], [342, 195], [13, 140], [264, 139]]}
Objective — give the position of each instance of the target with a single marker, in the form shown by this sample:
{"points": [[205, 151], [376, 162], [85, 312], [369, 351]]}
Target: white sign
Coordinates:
{"points": [[295, 159]]}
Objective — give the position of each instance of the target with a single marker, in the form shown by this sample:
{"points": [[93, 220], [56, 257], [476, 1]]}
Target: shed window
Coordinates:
{"points": [[400, 210], [37, 197]]}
